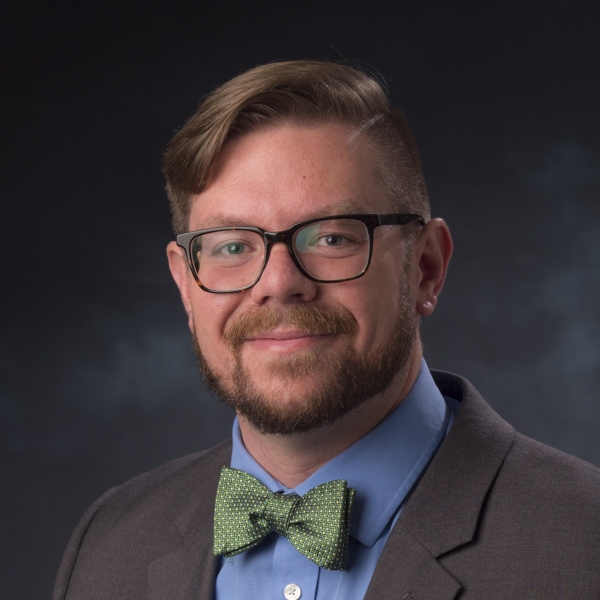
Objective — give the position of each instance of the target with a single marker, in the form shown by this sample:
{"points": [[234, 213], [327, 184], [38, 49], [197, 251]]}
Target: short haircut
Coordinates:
{"points": [[302, 93]]}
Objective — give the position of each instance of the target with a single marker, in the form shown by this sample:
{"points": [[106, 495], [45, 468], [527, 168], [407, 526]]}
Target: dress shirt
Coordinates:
{"points": [[382, 466]]}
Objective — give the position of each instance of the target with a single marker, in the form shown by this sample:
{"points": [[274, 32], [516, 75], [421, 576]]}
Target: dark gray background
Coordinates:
{"points": [[97, 380]]}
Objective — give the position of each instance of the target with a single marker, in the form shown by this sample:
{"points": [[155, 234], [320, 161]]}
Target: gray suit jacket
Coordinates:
{"points": [[495, 516]]}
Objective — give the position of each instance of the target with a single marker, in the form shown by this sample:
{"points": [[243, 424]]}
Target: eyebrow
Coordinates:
{"points": [[329, 210]]}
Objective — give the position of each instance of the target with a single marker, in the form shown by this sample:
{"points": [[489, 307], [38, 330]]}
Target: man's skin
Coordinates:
{"points": [[272, 179]]}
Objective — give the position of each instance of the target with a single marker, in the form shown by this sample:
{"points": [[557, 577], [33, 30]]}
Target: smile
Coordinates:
{"points": [[282, 341]]}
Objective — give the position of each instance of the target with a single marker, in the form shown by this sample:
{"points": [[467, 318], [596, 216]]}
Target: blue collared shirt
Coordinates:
{"points": [[383, 467]]}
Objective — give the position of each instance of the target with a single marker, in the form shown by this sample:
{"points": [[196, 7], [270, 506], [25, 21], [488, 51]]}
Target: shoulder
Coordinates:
{"points": [[166, 493], [134, 524], [536, 513], [541, 522], [528, 465], [517, 515], [547, 481], [175, 481]]}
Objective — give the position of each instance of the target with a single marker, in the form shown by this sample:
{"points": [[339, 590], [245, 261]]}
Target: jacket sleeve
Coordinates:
{"points": [[61, 586]]}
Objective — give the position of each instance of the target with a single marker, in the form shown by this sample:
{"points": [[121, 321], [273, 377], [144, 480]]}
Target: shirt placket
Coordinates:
{"points": [[295, 577]]}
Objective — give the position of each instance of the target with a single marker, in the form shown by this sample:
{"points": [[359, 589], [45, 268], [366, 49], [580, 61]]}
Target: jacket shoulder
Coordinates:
{"points": [[161, 501], [531, 474], [175, 483], [137, 523], [535, 532], [559, 481]]}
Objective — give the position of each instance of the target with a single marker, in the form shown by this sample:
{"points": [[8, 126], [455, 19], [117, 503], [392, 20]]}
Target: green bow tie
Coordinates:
{"points": [[317, 524]]}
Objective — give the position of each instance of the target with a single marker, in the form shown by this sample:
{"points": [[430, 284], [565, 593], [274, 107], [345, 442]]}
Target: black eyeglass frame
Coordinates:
{"points": [[371, 221]]}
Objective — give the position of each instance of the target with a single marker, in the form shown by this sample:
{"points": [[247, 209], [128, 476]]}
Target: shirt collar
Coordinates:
{"points": [[382, 466]]}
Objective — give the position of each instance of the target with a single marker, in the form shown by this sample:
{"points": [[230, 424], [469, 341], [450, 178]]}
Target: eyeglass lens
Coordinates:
{"points": [[327, 250]]}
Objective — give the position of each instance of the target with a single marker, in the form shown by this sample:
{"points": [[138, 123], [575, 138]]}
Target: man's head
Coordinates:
{"points": [[285, 143]]}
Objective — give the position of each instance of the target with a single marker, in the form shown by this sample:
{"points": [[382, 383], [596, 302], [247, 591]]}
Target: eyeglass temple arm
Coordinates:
{"points": [[397, 219]]}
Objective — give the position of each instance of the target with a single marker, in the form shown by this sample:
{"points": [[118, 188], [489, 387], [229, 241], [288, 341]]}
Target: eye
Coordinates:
{"points": [[332, 236], [332, 240], [231, 249]]}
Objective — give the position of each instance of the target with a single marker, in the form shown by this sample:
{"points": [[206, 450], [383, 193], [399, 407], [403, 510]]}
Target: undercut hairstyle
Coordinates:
{"points": [[303, 93]]}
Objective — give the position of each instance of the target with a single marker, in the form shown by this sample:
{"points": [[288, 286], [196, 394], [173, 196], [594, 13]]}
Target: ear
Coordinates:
{"points": [[181, 274], [431, 254]]}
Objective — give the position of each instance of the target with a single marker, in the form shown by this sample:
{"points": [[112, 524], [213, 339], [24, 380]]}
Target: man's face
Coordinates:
{"points": [[283, 373]]}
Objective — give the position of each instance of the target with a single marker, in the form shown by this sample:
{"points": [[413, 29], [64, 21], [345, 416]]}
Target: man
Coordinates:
{"points": [[305, 257]]}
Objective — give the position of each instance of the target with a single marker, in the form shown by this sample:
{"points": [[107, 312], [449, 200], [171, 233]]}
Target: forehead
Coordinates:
{"points": [[279, 176]]}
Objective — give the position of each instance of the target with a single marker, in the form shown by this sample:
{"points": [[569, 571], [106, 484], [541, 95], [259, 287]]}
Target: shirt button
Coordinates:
{"points": [[292, 591]]}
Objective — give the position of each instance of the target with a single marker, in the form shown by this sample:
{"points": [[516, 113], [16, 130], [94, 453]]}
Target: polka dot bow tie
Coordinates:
{"points": [[317, 524]]}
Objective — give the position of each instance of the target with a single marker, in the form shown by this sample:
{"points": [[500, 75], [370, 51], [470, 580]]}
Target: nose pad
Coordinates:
{"points": [[281, 277], [275, 250]]}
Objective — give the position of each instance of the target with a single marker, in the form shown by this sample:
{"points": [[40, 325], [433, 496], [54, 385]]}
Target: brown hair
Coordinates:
{"points": [[305, 93]]}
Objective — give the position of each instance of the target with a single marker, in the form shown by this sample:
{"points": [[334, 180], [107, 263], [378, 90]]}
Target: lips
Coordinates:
{"points": [[281, 335], [284, 341]]}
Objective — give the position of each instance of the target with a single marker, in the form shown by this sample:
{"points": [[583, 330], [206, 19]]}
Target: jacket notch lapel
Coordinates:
{"points": [[444, 509], [407, 571]]}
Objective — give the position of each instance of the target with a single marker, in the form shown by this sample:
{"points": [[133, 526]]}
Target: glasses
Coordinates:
{"points": [[328, 250]]}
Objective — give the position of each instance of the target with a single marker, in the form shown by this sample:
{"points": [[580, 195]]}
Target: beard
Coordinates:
{"points": [[344, 380]]}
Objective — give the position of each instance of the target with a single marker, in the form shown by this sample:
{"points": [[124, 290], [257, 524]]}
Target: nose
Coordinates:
{"points": [[281, 280]]}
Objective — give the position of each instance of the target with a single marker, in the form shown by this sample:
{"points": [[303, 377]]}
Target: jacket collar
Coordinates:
{"points": [[444, 509]]}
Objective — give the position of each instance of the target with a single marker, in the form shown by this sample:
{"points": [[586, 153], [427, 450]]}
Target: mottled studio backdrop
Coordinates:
{"points": [[97, 380]]}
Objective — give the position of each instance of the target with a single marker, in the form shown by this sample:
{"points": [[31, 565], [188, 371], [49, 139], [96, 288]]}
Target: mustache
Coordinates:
{"points": [[314, 320]]}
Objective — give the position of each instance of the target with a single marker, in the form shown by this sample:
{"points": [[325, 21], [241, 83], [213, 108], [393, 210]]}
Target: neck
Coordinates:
{"points": [[292, 459]]}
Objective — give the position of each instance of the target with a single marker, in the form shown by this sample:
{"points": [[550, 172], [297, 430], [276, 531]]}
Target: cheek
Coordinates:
{"points": [[386, 295], [210, 317], [374, 304], [211, 312]]}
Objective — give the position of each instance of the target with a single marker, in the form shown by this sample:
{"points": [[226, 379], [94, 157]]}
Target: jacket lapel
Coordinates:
{"points": [[189, 572], [407, 571], [444, 509]]}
